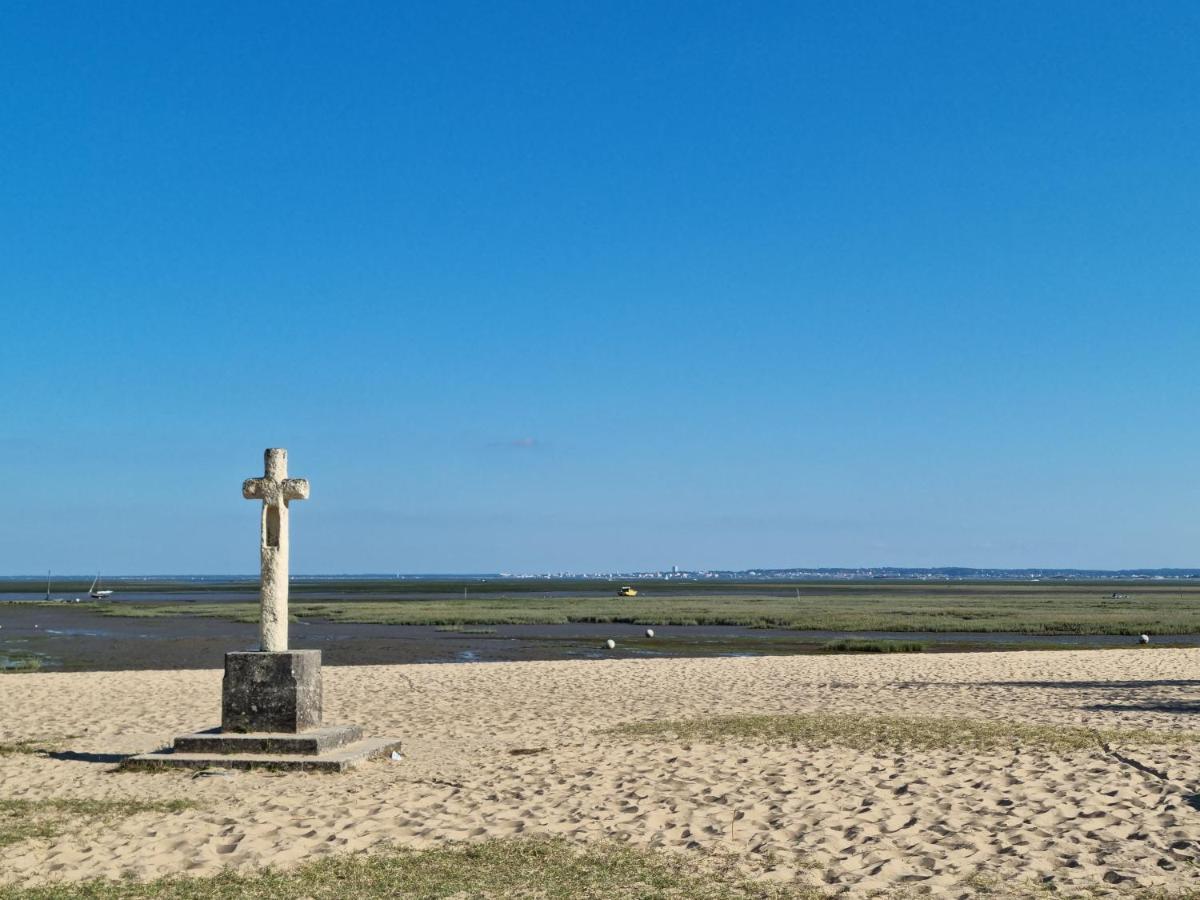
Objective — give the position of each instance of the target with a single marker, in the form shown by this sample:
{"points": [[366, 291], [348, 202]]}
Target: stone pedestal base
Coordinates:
{"points": [[270, 718], [330, 751], [306, 743], [271, 692]]}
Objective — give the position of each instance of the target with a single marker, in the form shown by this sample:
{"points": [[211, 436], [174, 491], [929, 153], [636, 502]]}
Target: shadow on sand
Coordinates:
{"points": [[75, 756], [1166, 706]]}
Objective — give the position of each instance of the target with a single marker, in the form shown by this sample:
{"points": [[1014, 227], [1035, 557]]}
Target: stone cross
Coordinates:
{"points": [[274, 489]]}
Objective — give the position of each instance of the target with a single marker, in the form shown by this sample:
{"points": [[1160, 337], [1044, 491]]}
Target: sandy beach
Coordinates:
{"points": [[940, 821]]}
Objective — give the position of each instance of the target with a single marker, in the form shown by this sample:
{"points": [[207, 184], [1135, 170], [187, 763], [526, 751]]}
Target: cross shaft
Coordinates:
{"points": [[275, 490]]}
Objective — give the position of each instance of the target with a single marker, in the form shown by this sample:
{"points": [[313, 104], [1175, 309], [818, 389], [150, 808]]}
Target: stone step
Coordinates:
{"points": [[311, 743], [336, 760]]}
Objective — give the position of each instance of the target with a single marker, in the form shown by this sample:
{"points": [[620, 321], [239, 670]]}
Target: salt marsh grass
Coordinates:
{"points": [[1074, 608]]}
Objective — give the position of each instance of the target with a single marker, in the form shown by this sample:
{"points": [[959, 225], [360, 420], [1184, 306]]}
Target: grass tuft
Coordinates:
{"points": [[873, 733], [30, 747], [12, 661], [35, 746]]}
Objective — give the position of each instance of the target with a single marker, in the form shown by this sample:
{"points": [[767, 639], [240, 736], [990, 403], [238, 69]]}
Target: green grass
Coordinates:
{"points": [[22, 820], [850, 645], [465, 629], [19, 661], [895, 732], [545, 869], [1077, 608]]}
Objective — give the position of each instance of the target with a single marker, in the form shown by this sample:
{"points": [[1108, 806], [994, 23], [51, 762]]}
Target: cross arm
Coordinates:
{"points": [[295, 489], [254, 488]]}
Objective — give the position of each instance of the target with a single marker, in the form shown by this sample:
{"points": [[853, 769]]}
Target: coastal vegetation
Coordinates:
{"points": [[1068, 608]]}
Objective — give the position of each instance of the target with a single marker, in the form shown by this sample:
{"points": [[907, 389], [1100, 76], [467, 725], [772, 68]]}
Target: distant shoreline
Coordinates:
{"points": [[798, 574]]}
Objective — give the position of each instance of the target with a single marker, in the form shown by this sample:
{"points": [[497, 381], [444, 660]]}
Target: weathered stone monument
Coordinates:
{"points": [[271, 697], [273, 688]]}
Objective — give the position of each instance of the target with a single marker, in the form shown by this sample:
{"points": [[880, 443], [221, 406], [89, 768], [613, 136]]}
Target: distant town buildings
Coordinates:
{"points": [[880, 573]]}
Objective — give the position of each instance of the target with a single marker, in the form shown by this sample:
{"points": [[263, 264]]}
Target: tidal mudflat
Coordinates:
{"points": [[191, 623]]}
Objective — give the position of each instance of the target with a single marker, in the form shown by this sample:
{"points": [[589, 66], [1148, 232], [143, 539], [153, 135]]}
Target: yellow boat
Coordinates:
{"points": [[627, 592]]}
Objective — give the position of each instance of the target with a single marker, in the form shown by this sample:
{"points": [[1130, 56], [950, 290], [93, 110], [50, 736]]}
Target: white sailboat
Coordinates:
{"points": [[48, 597], [97, 594]]}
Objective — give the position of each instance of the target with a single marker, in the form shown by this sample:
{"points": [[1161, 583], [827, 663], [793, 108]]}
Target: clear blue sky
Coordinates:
{"points": [[568, 286]]}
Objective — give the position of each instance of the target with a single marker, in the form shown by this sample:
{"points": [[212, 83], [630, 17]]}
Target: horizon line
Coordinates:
{"points": [[764, 570]]}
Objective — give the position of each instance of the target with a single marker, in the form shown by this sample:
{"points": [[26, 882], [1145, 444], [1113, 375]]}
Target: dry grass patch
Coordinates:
{"points": [[543, 869], [876, 732], [22, 820]]}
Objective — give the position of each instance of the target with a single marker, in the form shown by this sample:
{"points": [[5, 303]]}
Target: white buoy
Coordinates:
{"points": [[610, 644], [649, 632], [1144, 639]]}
